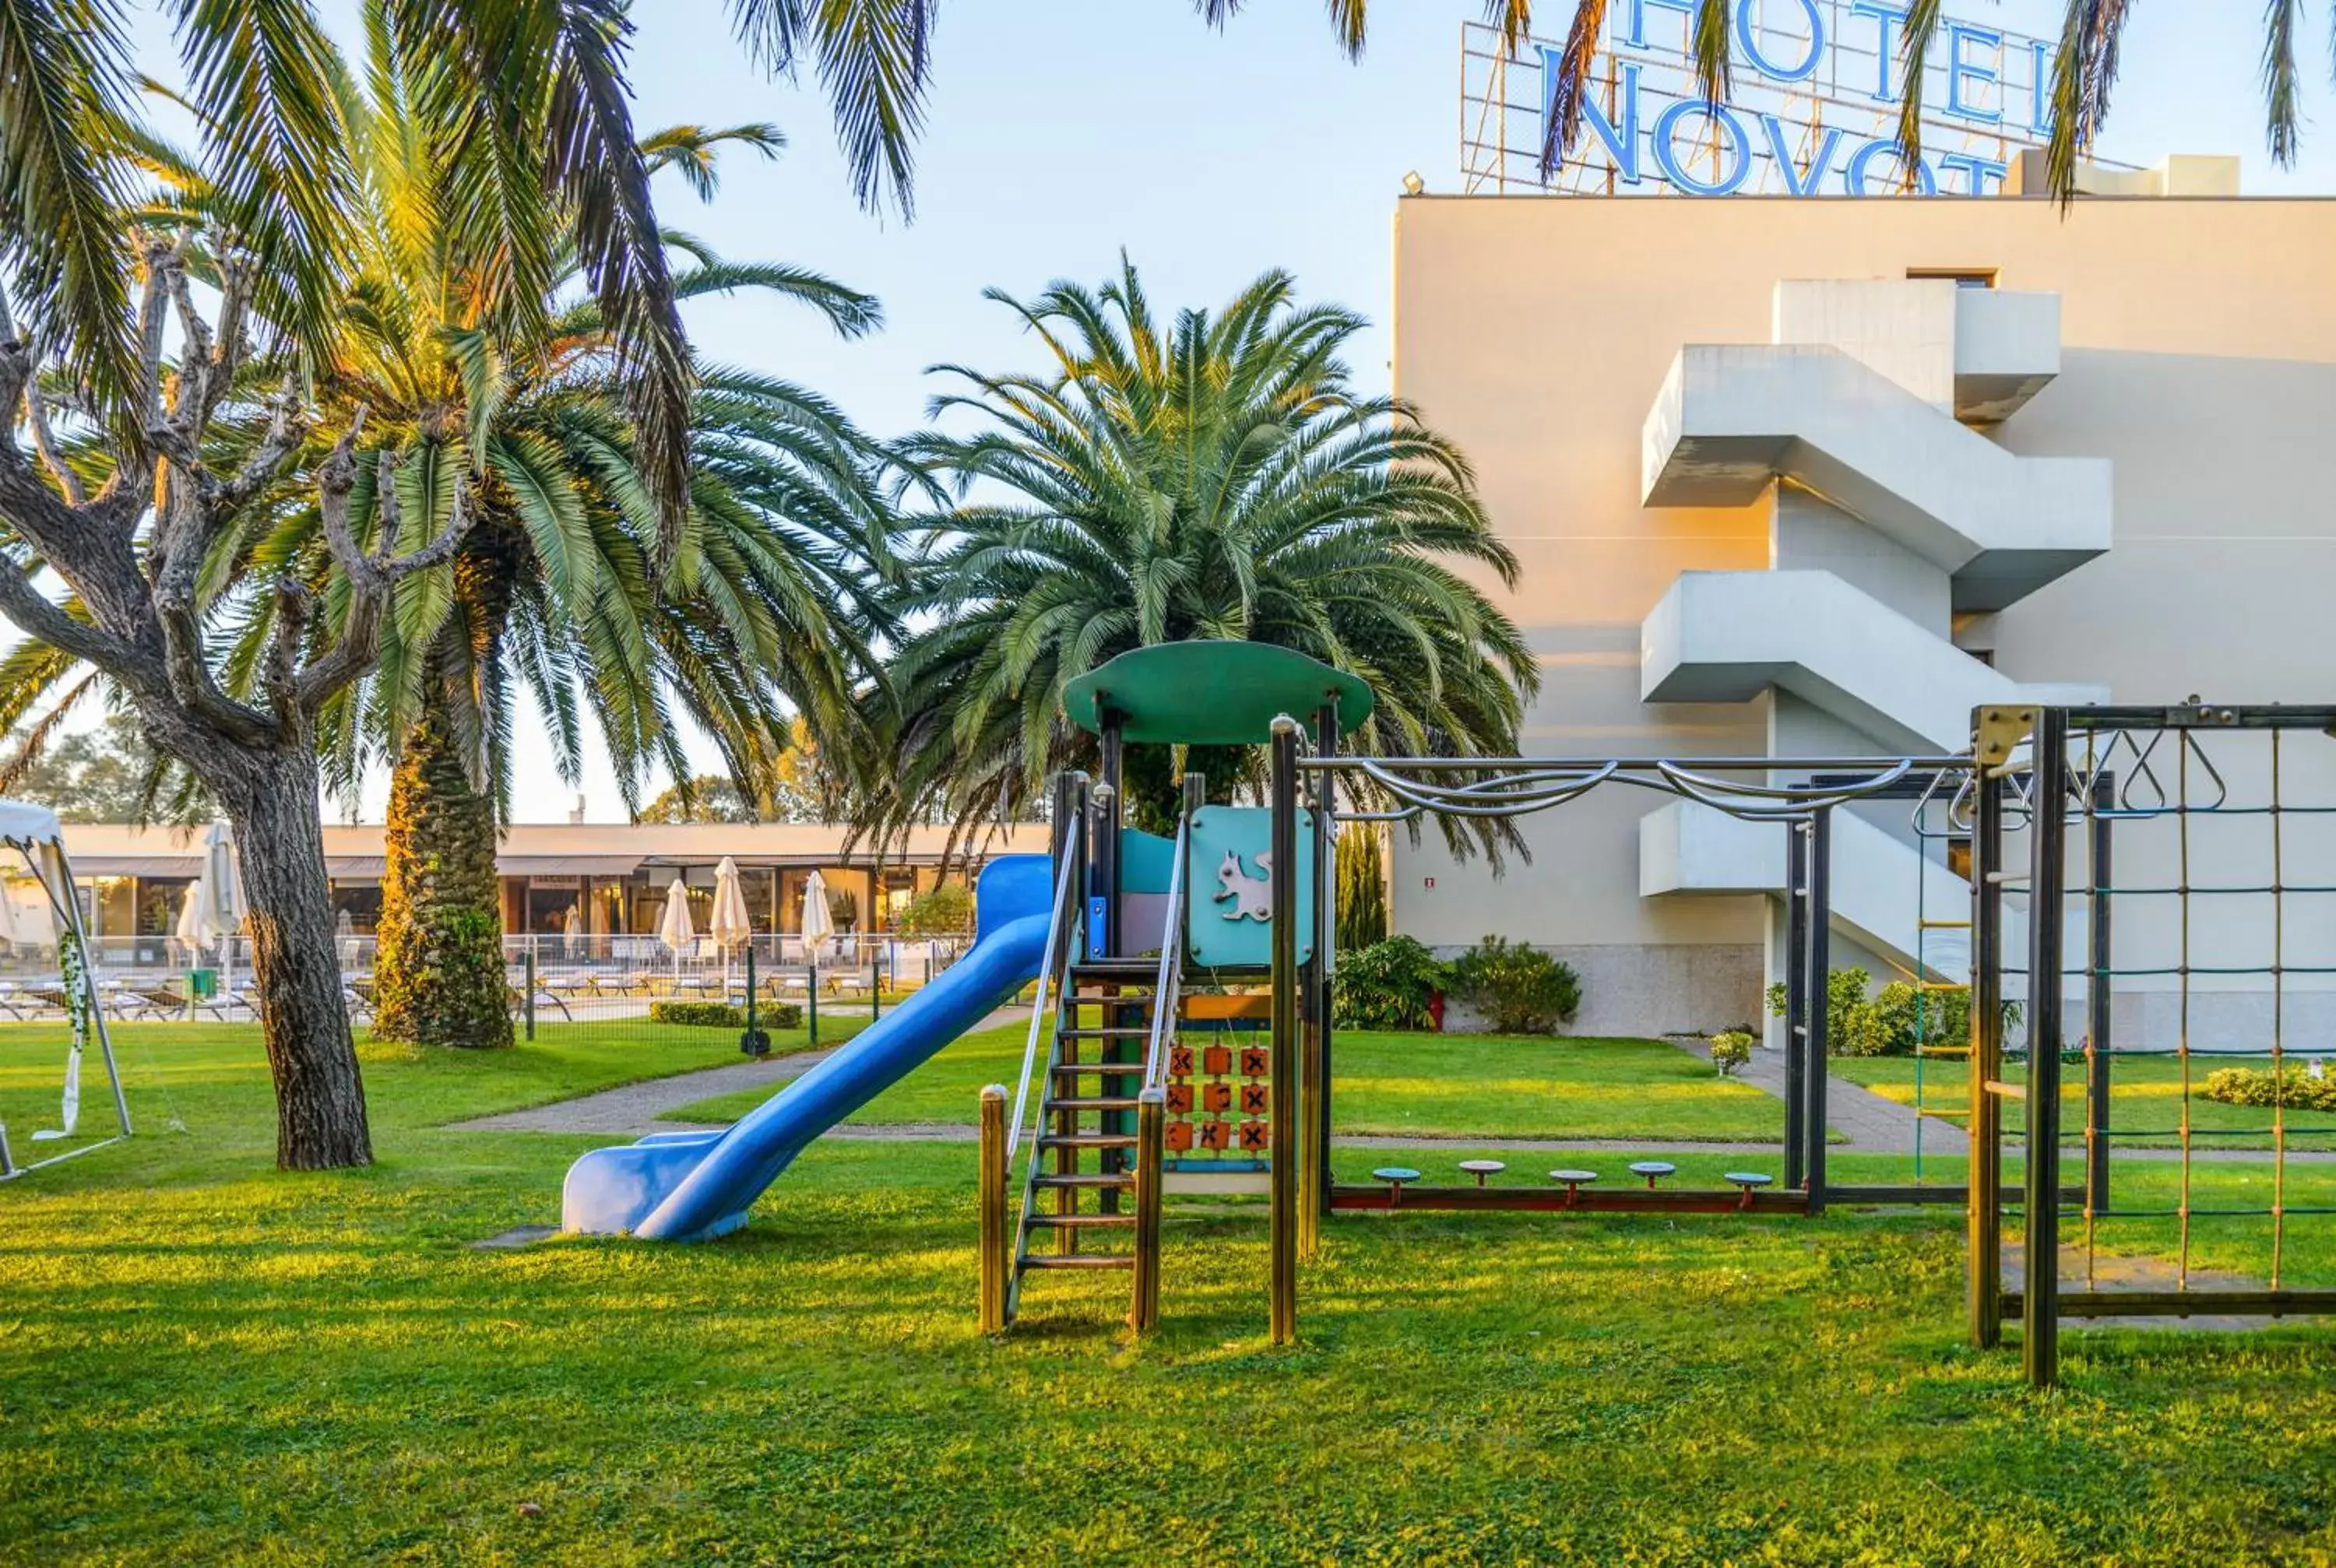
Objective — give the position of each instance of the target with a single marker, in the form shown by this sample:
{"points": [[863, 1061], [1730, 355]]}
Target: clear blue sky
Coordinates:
{"points": [[1062, 131]]}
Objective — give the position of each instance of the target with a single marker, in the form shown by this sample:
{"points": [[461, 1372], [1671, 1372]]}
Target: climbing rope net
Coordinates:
{"points": [[2180, 890]]}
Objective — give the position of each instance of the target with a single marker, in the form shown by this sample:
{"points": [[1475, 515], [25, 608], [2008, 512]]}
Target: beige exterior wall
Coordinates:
{"points": [[2199, 356]]}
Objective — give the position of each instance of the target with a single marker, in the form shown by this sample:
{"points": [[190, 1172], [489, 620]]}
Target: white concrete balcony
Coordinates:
{"points": [[1881, 890], [1728, 635], [1732, 420], [2007, 350]]}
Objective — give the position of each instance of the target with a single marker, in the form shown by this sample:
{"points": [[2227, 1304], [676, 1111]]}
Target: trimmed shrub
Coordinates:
{"points": [[1387, 986], [2294, 1086], [1519, 989], [1891, 1021], [700, 1015], [1730, 1050]]}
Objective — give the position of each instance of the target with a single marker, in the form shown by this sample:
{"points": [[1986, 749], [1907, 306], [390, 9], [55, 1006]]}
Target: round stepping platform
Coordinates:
{"points": [[1573, 1178], [1652, 1168], [1748, 1179], [1480, 1169], [1398, 1174]]}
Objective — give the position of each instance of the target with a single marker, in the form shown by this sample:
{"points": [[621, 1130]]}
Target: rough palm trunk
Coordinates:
{"points": [[439, 971]]}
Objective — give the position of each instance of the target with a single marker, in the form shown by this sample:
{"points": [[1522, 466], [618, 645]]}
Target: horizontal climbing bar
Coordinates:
{"points": [[2183, 1303]]}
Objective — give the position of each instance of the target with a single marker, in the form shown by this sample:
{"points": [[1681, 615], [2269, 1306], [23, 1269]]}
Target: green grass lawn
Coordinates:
{"points": [[204, 1360], [1440, 1085], [2144, 1096]]}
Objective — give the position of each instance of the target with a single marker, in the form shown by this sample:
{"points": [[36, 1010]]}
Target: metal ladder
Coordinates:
{"points": [[1086, 1141]]}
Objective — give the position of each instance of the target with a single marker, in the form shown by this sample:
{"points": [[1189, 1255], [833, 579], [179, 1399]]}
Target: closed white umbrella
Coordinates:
{"points": [[731, 924], [676, 930], [195, 928], [224, 897], [817, 921]]}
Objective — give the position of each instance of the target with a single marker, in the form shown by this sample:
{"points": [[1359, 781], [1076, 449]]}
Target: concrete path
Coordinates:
{"points": [[1877, 1124], [1874, 1123], [634, 1108]]}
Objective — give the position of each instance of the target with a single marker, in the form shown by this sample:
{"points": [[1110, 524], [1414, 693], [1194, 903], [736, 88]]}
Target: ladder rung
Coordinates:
{"points": [[1140, 1000], [1075, 1261], [1086, 1141], [1073, 1069], [1082, 1222], [1943, 1050], [1087, 1179], [1943, 984], [1111, 1032], [2008, 1091], [1942, 925], [1077, 1103]]}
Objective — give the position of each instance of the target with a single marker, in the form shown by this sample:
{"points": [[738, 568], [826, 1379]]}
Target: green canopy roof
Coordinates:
{"points": [[1212, 693]]}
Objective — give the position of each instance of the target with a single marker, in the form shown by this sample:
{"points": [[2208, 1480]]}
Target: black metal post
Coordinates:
{"points": [[1111, 811], [530, 988], [1820, 948], [2100, 1002], [2046, 873], [1323, 999], [1984, 1291], [1796, 992], [1282, 1213], [749, 1039]]}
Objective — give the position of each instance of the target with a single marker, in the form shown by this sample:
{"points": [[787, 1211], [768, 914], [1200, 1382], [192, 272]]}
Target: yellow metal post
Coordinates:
{"points": [[993, 1239]]}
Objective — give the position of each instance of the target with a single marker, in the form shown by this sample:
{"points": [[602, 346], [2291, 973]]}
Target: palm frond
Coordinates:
{"points": [[874, 58], [63, 91]]}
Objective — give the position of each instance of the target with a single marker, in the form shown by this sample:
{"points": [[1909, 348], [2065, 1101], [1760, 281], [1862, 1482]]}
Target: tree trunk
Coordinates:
{"points": [[1152, 795], [320, 1109], [438, 973]]}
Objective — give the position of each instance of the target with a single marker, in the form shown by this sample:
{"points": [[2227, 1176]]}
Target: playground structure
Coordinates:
{"points": [[1181, 1040], [1132, 916], [2205, 800], [32, 832]]}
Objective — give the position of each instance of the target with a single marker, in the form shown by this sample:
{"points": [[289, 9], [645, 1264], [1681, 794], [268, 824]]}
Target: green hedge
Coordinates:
{"points": [[722, 1015]]}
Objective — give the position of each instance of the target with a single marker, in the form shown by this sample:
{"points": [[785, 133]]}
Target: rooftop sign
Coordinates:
{"points": [[1817, 87]]}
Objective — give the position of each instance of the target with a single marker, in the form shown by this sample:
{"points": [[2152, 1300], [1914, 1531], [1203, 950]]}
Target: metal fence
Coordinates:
{"points": [[552, 979]]}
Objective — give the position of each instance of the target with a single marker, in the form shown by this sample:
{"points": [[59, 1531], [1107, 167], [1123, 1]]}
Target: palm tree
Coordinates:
{"points": [[1213, 478], [527, 96], [559, 589], [2084, 73]]}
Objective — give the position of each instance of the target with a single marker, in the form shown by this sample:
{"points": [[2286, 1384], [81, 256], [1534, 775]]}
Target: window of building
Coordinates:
{"points": [[1961, 277]]}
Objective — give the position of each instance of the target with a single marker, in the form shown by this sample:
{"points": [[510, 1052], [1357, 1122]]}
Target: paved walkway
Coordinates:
{"points": [[1876, 1125], [1872, 1124], [632, 1110]]}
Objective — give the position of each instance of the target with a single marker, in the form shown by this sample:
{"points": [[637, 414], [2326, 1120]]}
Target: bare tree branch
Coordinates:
{"points": [[153, 315], [38, 617], [281, 679], [36, 416]]}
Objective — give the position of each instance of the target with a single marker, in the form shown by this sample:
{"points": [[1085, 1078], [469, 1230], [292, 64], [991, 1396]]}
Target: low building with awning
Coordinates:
{"points": [[613, 879]]}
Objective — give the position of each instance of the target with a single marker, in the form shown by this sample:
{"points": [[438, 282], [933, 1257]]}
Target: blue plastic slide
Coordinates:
{"points": [[694, 1187]]}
